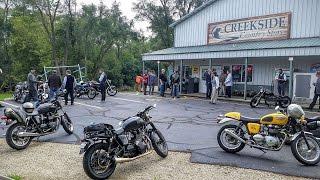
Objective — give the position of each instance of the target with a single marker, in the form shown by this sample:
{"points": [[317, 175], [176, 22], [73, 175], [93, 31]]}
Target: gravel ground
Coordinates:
{"points": [[62, 161]]}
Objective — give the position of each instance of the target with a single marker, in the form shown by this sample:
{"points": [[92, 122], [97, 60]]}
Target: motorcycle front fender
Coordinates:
{"points": [[298, 134]]}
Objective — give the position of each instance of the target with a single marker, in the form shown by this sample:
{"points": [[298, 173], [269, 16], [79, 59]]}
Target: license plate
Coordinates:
{"points": [[82, 147]]}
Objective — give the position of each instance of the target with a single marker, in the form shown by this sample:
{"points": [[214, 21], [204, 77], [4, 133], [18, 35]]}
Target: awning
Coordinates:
{"points": [[289, 47]]}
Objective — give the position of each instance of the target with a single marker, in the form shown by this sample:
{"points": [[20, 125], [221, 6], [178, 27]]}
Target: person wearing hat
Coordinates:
{"points": [[32, 85], [54, 83], [281, 78], [69, 83]]}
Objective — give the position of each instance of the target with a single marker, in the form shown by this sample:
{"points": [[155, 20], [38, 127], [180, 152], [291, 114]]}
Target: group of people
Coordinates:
{"points": [[55, 85], [218, 85], [146, 81]]}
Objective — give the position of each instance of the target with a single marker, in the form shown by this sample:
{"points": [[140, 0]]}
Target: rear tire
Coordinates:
{"points": [[87, 162], [112, 91], [296, 150], [239, 146], [12, 139]]}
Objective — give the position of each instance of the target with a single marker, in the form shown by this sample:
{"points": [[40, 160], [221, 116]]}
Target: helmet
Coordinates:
{"points": [[295, 111], [28, 107]]}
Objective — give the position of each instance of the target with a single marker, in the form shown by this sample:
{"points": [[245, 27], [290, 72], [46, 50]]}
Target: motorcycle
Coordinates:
{"points": [[29, 122], [105, 146], [269, 133], [111, 90], [21, 93], [85, 89], [269, 99], [43, 93]]}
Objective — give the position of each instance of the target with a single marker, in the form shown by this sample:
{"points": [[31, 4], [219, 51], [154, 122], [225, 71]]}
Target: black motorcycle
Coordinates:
{"points": [[82, 89], [29, 122], [270, 99], [111, 89], [21, 93], [105, 146]]}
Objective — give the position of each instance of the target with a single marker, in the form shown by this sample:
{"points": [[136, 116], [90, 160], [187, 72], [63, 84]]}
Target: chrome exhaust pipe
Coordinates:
{"points": [[122, 160], [29, 134], [235, 136]]}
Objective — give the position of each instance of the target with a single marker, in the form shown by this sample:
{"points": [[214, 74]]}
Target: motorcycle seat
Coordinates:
{"points": [[312, 119], [249, 119]]}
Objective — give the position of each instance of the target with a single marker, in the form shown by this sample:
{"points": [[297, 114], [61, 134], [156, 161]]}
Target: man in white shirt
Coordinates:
{"points": [[102, 81], [228, 84], [281, 78], [0, 103]]}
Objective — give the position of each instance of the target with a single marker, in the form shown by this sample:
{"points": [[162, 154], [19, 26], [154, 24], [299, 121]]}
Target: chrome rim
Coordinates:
{"points": [[304, 152], [100, 161], [19, 141], [229, 141]]}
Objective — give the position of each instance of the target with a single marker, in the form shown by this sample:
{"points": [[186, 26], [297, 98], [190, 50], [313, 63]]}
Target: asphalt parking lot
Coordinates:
{"points": [[189, 124]]}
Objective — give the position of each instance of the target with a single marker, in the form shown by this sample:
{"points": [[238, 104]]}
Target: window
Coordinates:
{"points": [[238, 73]]}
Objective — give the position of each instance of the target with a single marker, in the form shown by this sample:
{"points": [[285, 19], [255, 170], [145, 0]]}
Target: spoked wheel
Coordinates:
{"points": [[13, 140], [67, 124], [254, 101], [159, 143], [304, 154], [92, 93], [229, 143], [97, 163], [112, 91], [285, 102]]}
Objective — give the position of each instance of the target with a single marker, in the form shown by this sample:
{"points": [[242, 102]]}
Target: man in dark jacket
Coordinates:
{"points": [[316, 92], [54, 83], [207, 76], [0, 103], [32, 85], [102, 81], [69, 83], [163, 81]]}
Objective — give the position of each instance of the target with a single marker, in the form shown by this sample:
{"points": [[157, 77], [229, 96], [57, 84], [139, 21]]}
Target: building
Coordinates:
{"points": [[258, 35]]}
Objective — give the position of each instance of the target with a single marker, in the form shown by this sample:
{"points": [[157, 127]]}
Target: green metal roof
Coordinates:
{"points": [[257, 45]]}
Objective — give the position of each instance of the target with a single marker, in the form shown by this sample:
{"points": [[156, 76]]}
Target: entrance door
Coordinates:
{"points": [[202, 85]]}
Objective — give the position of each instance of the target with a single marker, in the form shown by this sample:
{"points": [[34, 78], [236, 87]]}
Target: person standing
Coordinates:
{"points": [[215, 86], [103, 86], [1, 106], [228, 84], [281, 78], [139, 80], [175, 84], [151, 81], [69, 83], [207, 76], [32, 86], [54, 83], [163, 80], [316, 92], [222, 89], [145, 82]]}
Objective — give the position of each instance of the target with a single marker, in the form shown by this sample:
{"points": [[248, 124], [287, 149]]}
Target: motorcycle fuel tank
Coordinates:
{"points": [[133, 123], [274, 119]]}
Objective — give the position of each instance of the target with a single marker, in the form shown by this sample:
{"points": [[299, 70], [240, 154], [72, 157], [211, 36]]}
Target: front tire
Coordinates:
{"points": [[301, 152], [67, 124], [254, 101], [159, 143], [15, 142], [285, 102], [227, 142], [96, 158], [92, 93]]}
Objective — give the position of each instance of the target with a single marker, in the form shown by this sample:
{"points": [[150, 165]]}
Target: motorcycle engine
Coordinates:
{"points": [[268, 136], [133, 143]]}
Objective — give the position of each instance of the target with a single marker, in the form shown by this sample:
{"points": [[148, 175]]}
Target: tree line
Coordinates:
{"points": [[38, 33]]}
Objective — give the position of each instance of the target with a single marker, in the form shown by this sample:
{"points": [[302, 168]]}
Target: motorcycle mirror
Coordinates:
{"points": [[155, 105], [277, 108]]}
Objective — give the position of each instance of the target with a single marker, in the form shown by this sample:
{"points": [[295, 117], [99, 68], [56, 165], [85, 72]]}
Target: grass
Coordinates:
{"points": [[5, 95], [15, 177]]}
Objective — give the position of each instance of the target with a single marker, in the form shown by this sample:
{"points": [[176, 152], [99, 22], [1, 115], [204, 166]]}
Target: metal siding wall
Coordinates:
{"points": [[304, 23]]}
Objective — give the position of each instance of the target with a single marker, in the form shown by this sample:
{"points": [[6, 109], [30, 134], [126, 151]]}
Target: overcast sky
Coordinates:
{"points": [[126, 8]]}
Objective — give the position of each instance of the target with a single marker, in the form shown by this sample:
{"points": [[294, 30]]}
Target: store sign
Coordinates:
{"points": [[270, 27]]}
